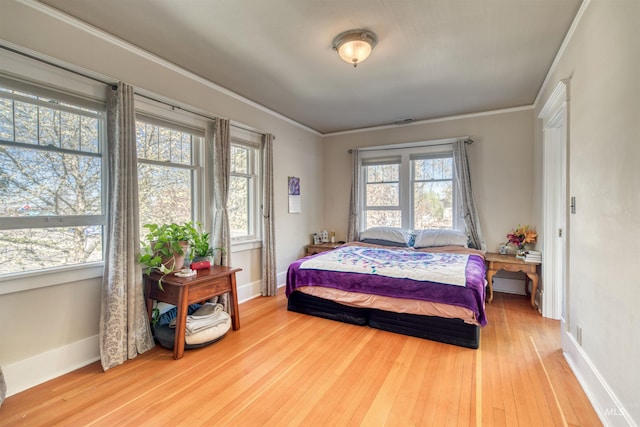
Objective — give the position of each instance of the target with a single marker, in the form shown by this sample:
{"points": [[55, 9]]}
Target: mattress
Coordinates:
{"points": [[434, 328]]}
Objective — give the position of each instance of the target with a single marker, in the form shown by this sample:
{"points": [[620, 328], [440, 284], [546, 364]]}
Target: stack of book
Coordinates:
{"points": [[533, 256]]}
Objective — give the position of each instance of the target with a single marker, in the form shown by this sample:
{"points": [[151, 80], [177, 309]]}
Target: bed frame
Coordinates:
{"points": [[449, 331]]}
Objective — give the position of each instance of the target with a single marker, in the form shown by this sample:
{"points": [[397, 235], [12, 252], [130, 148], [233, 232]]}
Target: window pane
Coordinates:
{"points": [[163, 144], [39, 182], [49, 127], [35, 249], [433, 204], [379, 218], [383, 173], [90, 135], [70, 131], [164, 194], [6, 118], [383, 194], [26, 122], [239, 159], [238, 206], [433, 169]]}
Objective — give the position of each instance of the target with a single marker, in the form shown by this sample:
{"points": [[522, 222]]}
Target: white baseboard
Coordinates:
{"points": [[604, 401], [252, 290], [51, 364]]}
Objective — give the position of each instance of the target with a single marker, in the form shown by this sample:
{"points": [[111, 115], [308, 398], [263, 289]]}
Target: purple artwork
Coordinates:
{"points": [[294, 186]]}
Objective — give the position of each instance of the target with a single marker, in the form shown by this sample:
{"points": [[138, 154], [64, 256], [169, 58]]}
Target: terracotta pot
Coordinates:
{"points": [[176, 262]]}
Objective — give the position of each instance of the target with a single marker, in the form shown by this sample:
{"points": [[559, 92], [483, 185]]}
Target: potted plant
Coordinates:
{"points": [[199, 242], [199, 245], [165, 248]]}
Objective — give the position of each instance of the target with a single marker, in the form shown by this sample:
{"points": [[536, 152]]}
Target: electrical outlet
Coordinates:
{"points": [[579, 335]]}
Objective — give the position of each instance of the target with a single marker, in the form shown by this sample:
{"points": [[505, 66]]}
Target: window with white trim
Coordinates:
{"points": [[382, 193], [243, 204], [167, 171], [412, 188], [432, 191], [52, 207]]}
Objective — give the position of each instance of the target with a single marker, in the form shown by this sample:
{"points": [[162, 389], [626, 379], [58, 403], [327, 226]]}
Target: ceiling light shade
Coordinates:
{"points": [[354, 46]]}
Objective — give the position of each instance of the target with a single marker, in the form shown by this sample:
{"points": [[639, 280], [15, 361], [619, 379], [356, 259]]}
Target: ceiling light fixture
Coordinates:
{"points": [[354, 46]]}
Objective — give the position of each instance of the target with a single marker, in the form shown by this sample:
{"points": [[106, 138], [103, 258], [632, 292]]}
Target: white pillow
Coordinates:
{"points": [[440, 237], [390, 236]]}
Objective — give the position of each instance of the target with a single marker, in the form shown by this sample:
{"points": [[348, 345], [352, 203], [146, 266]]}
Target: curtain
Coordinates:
{"points": [[269, 274], [3, 387], [468, 209], [124, 326], [218, 139], [354, 207]]}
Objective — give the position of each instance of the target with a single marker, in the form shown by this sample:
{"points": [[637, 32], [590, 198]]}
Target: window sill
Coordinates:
{"points": [[245, 245], [20, 282]]}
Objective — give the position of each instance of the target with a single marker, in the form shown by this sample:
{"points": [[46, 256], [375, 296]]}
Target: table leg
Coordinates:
{"points": [[235, 316], [181, 323], [490, 274], [534, 287]]}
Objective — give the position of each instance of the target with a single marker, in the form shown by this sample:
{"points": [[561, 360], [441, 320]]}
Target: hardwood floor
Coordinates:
{"points": [[284, 368]]}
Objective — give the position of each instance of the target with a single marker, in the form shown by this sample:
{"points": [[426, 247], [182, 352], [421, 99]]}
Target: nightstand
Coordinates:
{"points": [[320, 247], [497, 262]]}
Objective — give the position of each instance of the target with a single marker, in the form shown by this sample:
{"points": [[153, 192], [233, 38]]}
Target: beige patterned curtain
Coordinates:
{"points": [[353, 229], [124, 326], [269, 285], [218, 140], [468, 209]]}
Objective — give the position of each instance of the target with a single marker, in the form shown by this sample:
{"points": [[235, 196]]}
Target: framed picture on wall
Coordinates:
{"points": [[294, 195]]}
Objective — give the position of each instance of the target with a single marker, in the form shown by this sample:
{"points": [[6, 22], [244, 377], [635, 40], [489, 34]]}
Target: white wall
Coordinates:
{"points": [[602, 61], [62, 320], [500, 160]]}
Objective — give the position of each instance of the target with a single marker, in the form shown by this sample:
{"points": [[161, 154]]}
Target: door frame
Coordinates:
{"points": [[555, 186]]}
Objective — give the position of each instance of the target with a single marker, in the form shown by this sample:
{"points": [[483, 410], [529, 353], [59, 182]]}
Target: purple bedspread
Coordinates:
{"points": [[470, 296]]}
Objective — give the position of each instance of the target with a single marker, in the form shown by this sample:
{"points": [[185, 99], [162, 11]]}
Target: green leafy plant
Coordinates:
{"points": [[198, 240], [164, 245]]}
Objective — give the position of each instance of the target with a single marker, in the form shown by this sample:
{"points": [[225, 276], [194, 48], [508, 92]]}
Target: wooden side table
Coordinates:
{"points": [[320, 247], [183, 291], [497, 262]]}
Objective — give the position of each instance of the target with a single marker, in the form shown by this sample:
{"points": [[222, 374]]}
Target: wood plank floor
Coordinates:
{"points": [[284, 368]]}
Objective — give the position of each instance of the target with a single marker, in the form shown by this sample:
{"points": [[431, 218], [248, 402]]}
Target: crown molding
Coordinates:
{"points": [[429, 121], [561, 50], [122, 44]]}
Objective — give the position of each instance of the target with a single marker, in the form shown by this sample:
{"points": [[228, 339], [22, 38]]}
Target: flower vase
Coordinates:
{"points": [[511, 249], [521, 252]]}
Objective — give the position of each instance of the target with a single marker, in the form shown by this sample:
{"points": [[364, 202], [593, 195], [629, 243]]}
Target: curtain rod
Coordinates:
{"points": [[466, 141], [114, 85], [177, 107]]}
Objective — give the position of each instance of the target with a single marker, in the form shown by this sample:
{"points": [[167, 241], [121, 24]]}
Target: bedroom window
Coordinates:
{"points": [[412, 188], [432, 182], [382, 193], [51, 179], [166, 171], [244, 201]]}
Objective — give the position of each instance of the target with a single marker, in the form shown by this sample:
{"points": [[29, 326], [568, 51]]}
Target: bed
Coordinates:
{"points": [[414, 285]]}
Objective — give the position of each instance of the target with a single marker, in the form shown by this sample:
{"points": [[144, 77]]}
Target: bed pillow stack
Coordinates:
{"points": [[395, 236]]}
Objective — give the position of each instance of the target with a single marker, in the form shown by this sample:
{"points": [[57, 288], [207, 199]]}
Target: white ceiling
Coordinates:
{"points": [[434, 58]]}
